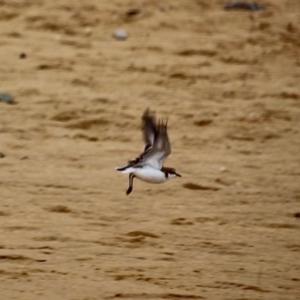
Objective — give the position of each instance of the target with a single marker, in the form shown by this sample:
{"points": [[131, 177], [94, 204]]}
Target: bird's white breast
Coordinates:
{"points": [[150, 175]]}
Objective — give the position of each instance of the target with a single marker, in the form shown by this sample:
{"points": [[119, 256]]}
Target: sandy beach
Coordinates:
{"points": [[229, 83]]}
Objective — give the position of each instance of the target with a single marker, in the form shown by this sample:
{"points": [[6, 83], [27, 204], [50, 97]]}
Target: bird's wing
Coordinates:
{"points": [[149, 129], [161, 148]]}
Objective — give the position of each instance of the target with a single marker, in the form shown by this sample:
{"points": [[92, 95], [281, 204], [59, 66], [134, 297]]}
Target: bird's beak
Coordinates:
{"points": [[178, 175]]}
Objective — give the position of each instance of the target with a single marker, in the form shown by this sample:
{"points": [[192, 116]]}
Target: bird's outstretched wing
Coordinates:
{"points": [[149, 128], [149, 131], [161, 148]]}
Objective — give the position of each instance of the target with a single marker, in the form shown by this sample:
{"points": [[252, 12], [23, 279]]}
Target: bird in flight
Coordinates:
{"points": [[148, 166]]}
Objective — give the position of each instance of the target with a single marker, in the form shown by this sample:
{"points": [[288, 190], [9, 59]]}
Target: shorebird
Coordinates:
{"points": [[148, 166]]}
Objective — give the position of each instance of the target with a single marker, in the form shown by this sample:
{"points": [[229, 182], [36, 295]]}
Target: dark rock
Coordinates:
{"points": [[133, 12], [244, 6], [7, 98], [23, 55]]}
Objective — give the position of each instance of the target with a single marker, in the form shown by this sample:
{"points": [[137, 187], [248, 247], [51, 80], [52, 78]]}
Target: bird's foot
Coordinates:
{"points": [[129, 190]]}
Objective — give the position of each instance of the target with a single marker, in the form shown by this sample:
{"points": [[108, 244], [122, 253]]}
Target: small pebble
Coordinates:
{"points": [[2, 155], [120, 35], [88, 31], [223, 169]]}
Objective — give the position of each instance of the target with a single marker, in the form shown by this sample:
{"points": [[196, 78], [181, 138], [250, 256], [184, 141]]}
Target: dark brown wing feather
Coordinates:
{"points": [[149, 128], [157, 142], [161, 148], [149, 131]]}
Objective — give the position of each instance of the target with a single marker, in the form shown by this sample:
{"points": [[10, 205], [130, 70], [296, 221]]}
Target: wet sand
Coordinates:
{"points": [[229, 83]]}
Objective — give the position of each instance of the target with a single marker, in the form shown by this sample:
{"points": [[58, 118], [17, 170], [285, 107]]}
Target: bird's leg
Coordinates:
{"points": [[129, 190]]}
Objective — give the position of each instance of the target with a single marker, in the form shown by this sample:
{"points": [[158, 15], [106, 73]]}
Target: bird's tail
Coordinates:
{"points": [[126, 169], [122, 168]]}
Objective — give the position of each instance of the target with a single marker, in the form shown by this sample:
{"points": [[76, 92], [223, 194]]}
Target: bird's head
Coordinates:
{"points": [[172, 173]]}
